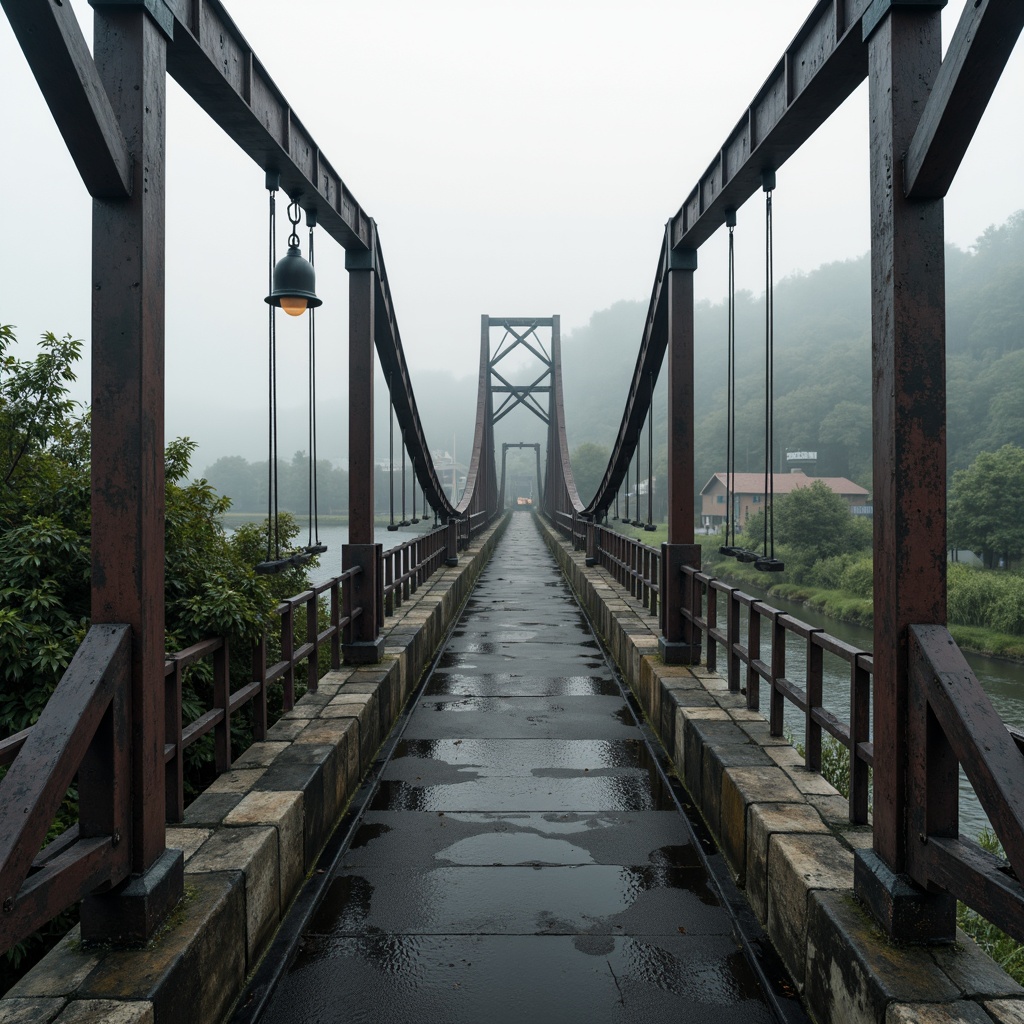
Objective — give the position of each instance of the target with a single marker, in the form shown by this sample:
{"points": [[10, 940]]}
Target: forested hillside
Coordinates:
{"points": [[822, 365], [822, 378]]}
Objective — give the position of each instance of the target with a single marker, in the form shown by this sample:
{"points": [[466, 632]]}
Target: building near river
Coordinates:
{"points": [[749, 494]]}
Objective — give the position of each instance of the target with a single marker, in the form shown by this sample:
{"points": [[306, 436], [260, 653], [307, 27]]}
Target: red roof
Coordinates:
{"points": [[785, 483]]}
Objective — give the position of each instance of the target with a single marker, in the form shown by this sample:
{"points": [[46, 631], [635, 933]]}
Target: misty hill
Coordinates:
{"points": [[822, 365], [822, 371]]}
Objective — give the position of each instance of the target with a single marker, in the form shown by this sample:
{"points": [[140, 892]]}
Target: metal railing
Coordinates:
{"points": [[747, 666], [408, 565], [85, 724], [635, 566]]}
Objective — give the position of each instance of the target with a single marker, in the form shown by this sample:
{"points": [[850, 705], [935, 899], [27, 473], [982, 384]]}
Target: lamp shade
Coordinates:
{"points": [[294, 283]]}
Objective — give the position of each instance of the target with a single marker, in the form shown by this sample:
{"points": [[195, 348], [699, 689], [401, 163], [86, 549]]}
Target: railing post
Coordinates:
{"points": [[451, 554], [909, 456], [128, 243], [591, 558], [363, 643], [679, 642]]}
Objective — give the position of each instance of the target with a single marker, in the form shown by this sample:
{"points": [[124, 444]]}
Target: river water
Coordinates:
{"points": [[1003, 681]]}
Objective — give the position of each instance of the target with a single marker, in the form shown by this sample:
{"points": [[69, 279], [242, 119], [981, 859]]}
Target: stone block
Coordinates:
{"points": [[759, 732], [286, 729], [718, 759], [765, 820], [784, 755], [193, 970], [1006, 1011], [748, 778], [60, 972], [282, 810], [253, 852], [188, 840], [974, 972], [106, 1011], [853, 974], [261, 755], [810, 783], [210, 809], [29, 1011], [797, 866], [240, 780], [960, 1012]]}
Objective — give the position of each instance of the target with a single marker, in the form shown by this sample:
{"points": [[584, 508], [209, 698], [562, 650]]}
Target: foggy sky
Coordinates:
{"points": [[520, 157]]}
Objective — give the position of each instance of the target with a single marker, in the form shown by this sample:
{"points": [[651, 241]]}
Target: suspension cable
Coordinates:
{"points": [[403, 521], [650, 456], [313, 546], [768, 562], [273, 528], [729, 547], [392, 525]]}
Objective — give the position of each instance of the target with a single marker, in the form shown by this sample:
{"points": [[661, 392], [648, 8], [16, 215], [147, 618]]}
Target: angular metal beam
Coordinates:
{"points": [[57, 53], [212, 62], [826, 61], [978, 52]]}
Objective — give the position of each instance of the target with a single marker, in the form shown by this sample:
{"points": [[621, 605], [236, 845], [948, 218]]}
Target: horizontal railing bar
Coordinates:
{"points": [[243, 695], [201, 726], [190, 655], [796, 694], [9, 747]]}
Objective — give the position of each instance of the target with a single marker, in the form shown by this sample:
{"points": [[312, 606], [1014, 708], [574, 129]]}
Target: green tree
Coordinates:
{"points": [[815, 522], [589, 461], [984, 506]]}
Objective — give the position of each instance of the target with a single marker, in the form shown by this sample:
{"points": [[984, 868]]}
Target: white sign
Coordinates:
{"points": [[801, 456]]}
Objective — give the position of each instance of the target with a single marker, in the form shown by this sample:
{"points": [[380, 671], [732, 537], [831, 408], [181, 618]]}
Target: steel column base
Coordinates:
{"points": [[903, 910], [363, 652], [130, 914], [675, 652]]}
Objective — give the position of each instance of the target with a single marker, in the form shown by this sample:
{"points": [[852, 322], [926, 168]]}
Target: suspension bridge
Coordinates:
{"points": [[469, 817]]}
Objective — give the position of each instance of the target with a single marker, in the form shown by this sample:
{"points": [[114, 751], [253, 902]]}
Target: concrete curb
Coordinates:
{"points": [[252, 837], [785, 834]]}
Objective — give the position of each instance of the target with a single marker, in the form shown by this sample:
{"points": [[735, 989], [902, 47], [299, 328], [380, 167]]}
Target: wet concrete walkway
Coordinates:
{"points": [[521, 859]]}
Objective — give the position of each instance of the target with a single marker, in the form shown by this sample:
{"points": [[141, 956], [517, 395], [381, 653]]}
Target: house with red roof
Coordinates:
{"points": [[749, 493]]}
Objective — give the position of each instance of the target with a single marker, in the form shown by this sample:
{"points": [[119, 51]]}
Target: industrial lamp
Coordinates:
{"points": [[293, 285]]}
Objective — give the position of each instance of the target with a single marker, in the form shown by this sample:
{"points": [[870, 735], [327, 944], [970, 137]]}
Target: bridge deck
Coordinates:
{"points": [[522, 857]]}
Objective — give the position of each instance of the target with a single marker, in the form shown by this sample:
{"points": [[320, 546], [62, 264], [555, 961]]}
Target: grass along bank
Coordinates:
{"points": [[985, 606]]}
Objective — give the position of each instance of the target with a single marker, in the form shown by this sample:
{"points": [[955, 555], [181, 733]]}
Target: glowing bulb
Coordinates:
{"points": [[293, 306]]}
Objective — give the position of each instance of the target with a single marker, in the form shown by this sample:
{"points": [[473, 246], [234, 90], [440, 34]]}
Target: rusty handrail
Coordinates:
{"points": [[82, 728], [945, 694], [745, 660]]}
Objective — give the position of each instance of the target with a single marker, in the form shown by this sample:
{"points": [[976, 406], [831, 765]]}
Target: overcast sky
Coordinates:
{"points": [[520, 157]]}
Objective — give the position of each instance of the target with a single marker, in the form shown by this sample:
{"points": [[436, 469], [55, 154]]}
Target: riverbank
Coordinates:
{"points": [[847, 607], [836, 604]]}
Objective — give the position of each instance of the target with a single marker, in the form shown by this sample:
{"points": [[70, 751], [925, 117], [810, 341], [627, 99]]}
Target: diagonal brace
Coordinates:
{"points": [[978, 52], [52, 41]]}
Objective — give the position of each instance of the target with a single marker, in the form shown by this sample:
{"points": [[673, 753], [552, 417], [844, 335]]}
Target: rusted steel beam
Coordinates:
{"points": [[981, 45], [128, 401], [679, 642], [559, 453], [52, 41], [680, 342], [212, 62], [909, 443], [820, 68], [361, 319]]}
